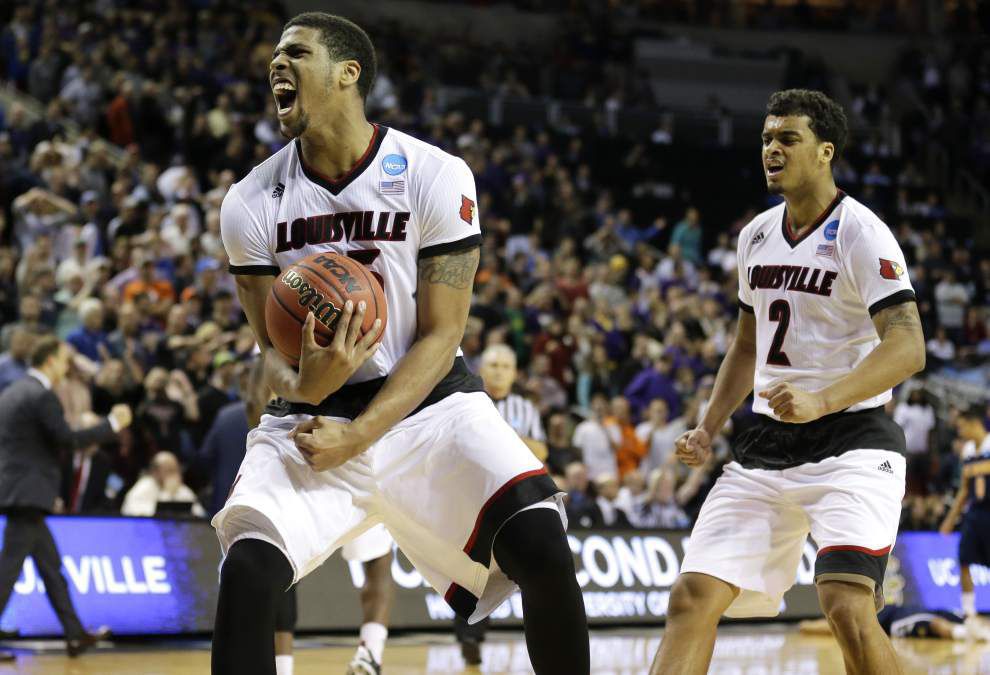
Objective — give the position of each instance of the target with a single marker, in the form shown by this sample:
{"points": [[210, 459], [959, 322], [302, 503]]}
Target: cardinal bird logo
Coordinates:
{"points": [[890, 269], [467, 210]]}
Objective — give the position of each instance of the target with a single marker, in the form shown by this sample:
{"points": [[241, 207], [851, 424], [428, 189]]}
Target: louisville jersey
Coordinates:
{"points": [[814, 296], [403, 201], [976, 461]]}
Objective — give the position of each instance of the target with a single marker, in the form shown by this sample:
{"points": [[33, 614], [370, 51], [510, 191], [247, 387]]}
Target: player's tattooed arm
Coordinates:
{"points": [[901, 317], [455, 270]]}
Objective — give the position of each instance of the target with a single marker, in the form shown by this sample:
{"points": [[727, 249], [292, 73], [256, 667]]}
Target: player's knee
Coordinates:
{"points": [[693, 599], [254, 566], [532, 550], [848, 607]]}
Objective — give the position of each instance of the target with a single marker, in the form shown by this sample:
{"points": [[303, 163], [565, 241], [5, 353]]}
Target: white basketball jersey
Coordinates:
{"points": [[404, 200], [814, 296]]}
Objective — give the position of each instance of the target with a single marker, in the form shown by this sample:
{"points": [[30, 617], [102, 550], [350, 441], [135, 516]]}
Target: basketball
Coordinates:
{"points": [[321, 284]]}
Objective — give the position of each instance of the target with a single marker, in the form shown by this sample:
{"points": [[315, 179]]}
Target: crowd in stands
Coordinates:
{"points": [[618, 306]]}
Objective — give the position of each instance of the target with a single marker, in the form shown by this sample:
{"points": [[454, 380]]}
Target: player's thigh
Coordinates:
{"points": [[370, 545], [277, 497], [747, 534], [974, 538], [853, 502]]}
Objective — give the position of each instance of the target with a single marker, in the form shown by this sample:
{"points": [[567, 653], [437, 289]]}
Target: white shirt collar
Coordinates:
{"points": [[40, 376]]}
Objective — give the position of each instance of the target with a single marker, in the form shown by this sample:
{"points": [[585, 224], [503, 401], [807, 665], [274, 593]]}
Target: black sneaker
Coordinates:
{"points": [[79, 646], [471, 651]]}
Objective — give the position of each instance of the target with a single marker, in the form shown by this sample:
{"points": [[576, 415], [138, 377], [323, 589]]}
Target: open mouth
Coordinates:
{"points": [[774, 169], [285, 97]]}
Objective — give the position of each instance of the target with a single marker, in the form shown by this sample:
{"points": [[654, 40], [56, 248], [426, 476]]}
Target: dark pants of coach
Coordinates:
{"points": [[28, 535]]}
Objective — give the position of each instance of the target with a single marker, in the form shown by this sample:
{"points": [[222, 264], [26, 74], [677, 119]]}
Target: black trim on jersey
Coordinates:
{"points": [[335, 187], [746, 308], [350, 400], [898, 298], [255, 270], [465, 244], [839, 195], [774, 445]]}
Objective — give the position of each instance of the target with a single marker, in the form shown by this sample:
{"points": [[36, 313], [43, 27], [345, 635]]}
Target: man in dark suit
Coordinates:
{"points": [[33, 437]]}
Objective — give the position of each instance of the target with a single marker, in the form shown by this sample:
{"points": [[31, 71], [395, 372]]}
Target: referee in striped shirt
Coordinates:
{"points": [[498, 370]]}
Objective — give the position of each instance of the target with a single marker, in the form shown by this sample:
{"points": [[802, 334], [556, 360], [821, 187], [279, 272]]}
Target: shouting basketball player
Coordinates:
{"points": [[399, 432], [828, 325]]}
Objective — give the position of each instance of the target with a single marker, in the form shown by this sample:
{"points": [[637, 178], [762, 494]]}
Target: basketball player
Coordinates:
{"points": [[912, 621], [498, 374], [974, 539], [828, 324], [397, 432], [373, 549]]}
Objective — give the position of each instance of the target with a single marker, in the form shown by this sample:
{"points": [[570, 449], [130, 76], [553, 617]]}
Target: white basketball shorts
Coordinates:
{"points": [[442, 481], [371, 545], [754, 523]]}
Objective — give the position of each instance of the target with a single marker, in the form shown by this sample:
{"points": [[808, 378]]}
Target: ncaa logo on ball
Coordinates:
{"points": [[393, 165], [832, 230]]}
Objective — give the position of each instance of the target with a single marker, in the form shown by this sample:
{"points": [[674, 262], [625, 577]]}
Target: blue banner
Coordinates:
{"points": [[135, 575], [924, 567]]}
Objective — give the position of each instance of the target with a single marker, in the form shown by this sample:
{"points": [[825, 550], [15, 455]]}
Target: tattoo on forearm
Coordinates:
{"points": [[900, 317], [455, 270]]}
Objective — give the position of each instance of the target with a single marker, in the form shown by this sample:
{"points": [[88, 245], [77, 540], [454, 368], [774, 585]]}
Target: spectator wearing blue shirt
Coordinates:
{"points": [[13, 363], [687, 235], [90, 339], [654, 382]]}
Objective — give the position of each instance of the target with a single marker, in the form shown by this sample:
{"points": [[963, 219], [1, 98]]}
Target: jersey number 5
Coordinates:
{"points": [[366, 256], [780, 311]]}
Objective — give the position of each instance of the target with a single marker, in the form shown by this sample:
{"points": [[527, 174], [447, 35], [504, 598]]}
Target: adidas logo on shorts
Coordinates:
{"points": [[886, 467]]}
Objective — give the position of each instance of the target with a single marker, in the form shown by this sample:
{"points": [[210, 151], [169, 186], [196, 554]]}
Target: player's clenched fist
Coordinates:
{"points": [[326, 444], [794, 405], [693, 447]]}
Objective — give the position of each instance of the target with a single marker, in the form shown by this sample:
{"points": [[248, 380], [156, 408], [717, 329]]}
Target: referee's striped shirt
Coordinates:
{"points": [[521, 416]]}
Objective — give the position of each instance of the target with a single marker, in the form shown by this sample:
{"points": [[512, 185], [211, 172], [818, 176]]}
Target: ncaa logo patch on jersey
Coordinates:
{"points": [[832, 230], [890, 269], [393, 165]]}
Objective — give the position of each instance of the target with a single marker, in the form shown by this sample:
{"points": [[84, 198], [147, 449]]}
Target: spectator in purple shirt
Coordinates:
{"points": [[657, 381]]}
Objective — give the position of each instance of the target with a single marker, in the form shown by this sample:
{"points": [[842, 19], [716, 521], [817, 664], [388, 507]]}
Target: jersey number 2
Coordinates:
{"points": [[780, 312], [366, 256]]}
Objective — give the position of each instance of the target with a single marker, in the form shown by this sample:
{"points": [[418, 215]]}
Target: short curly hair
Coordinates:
{"points": [[828, 119], [345, 41]]}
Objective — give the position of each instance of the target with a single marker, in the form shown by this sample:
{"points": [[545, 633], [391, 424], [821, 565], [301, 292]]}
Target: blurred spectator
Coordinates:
{"points": [[498, 371], [163, 483], [169, 406], [940, 349], [592, 439], [90, 339], [917, 418], [14, 361], [560, 450], [655, 382], [28, 319], [629, 449], [661, 508], [687, 236], [613, 513], [582, 509], [951, 298], [86, 477], [658, 433]]}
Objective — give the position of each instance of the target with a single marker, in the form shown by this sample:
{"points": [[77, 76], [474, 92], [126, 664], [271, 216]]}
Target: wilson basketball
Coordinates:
{"points": [[321, 284]]}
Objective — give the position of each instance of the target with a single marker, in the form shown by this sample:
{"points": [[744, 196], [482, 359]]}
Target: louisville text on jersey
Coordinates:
{"points": [[346, 226], [792, 278]]}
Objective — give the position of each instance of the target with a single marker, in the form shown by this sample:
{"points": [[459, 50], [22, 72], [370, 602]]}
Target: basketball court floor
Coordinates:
{"points": [[752, 649]]}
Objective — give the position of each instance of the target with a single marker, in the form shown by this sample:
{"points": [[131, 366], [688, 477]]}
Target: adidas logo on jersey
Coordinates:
{"points": [[886, 467], [757, 239], [277, 192]]}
